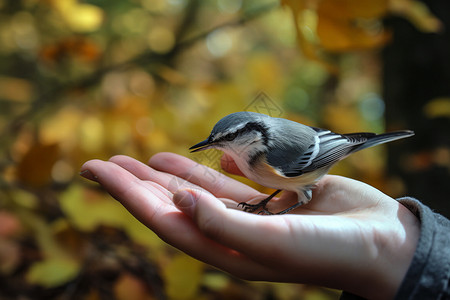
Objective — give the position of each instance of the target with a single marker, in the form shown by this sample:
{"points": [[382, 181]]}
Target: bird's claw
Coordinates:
{"points": [[253, 207], [265, 212], [262, 204], [250, 207]]}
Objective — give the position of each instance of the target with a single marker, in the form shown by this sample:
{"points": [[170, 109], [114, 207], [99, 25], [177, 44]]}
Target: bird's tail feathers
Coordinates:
{"points": [[384, 138]]}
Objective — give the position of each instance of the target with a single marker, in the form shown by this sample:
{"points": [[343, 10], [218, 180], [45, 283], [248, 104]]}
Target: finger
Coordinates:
{"points": [[137, 196], [139, 169], [241, 265], [215, 182], [253, 235], [170, 182], [287, 243], [169, 223], [227, 163]]}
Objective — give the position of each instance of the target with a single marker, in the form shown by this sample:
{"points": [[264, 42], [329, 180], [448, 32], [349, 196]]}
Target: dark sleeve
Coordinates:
{"points": [[429, 273]]}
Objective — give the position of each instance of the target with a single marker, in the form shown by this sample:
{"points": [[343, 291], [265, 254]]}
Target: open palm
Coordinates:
{"points": [[350, 236]]}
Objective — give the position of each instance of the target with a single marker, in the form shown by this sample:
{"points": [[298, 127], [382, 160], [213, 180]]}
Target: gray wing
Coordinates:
{"points": [[327, 149], [289, 140]]}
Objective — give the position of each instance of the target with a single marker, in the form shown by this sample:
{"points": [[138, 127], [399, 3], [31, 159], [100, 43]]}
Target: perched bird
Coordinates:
{"points": [[283, 154]]}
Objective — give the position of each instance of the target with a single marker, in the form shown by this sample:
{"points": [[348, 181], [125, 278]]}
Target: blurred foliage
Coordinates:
{"points": [[91, 79], [348, 25]]}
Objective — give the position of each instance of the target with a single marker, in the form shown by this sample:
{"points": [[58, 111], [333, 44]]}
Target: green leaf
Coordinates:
{"points": [[53, 271]]}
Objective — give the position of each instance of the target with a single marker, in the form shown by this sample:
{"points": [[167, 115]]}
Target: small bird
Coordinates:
{"points": [[283, 154]]}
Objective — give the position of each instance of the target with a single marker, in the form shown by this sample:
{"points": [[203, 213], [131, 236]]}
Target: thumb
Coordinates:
{"points": [[207, 211]]}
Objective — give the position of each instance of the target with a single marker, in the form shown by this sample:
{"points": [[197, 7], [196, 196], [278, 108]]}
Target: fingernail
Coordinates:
{"points": [[88, 175], [185, 201]]}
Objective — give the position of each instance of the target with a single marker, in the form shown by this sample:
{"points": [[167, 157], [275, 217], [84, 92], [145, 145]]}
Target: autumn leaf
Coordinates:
{"points": [[438, 107], [53, 271], [340, 35], [36, 165], [352, 9], [348, 25], [80, 17], [81, 48], [183, 277], [418, 14], [129, 286]]}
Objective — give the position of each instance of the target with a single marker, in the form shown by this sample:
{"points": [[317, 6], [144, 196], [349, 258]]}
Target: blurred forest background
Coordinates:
{"points": [[96, 78]]}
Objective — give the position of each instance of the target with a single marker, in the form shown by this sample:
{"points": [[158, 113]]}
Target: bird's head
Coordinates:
{"points": [[238, 134]]}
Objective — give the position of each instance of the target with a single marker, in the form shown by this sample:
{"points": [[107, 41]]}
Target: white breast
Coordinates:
{"points": [[263, 174]]}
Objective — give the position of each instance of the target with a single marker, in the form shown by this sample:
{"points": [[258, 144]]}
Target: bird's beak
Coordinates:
{"points": [[203, 145]]}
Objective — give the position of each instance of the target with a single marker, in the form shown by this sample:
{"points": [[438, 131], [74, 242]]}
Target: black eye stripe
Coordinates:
{"points": [[251, 126], [228, 137], [231, 136]]}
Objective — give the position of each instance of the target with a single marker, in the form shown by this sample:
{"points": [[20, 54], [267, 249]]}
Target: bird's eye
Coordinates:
{"points": [[231, 136]]}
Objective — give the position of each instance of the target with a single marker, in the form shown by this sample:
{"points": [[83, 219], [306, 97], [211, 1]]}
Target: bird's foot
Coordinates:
{"points": [[265, 212], [253, 207], [262, 204]]}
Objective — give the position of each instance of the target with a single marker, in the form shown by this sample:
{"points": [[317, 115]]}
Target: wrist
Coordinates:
{"points": [[395, 242]]}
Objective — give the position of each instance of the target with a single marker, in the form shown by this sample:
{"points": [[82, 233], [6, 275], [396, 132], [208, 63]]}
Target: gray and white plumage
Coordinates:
{"points": [[286, 155]]}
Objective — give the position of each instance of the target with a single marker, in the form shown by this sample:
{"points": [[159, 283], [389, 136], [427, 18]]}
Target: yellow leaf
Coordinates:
{"points": [[86, 18], [439, 107], [25, 199], [80, 17], [305, 19], [319, 294], [346, 25], [92, 134], [216, 281], [418, 14], [352, 9], [88, 209], [342, 118], [183, 277], [142, 235], [161, 39], [15, 89], [54, 129], [52, 272], [344, 35], [264, 69], [295, 5], [57, 266]]}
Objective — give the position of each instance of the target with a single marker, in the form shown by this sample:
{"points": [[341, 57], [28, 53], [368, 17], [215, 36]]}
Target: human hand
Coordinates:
{"points": [[350, 236]]}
